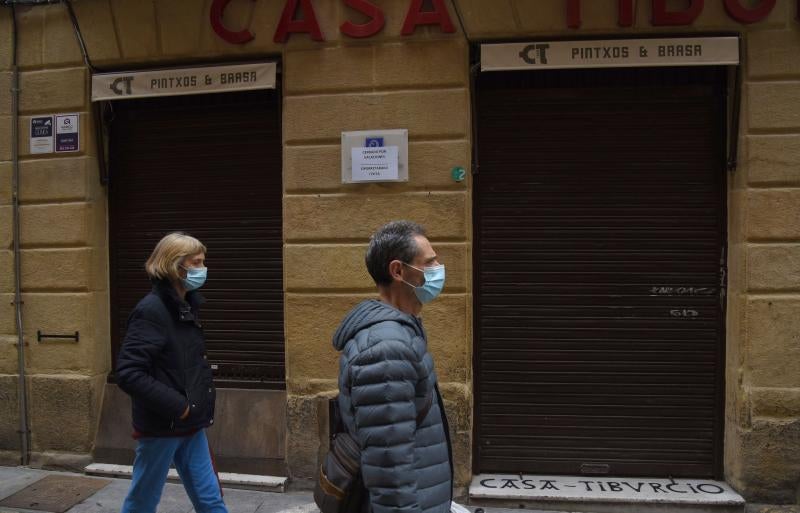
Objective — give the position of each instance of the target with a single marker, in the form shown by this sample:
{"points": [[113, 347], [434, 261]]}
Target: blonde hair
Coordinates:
{"points": [[169, 253]]}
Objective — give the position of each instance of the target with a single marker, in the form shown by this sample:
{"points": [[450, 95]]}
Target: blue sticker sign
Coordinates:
{"points": [[374, 142]]}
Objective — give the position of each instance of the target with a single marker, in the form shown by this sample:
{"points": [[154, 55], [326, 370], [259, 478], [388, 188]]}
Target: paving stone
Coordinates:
{"points": [[14, 479], [55, 493]]}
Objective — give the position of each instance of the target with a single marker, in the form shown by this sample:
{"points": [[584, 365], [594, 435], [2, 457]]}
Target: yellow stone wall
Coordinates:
{"points": [[419, 85], [387, 81], [762, 425], [763, 444], [64, 255]]}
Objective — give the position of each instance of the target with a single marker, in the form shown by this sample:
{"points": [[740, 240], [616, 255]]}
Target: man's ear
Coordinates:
{"points": [[395, 269]]}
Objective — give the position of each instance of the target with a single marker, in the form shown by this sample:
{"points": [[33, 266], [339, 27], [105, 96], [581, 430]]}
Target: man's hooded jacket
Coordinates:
{"points": [[386, 377]]}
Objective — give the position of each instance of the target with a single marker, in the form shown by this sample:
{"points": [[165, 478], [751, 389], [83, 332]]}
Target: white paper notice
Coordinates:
{"points": [[374, 164]]}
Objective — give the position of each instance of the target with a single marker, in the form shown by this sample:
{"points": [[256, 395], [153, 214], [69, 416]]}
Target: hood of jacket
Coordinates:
{"points": [[369, 313]]}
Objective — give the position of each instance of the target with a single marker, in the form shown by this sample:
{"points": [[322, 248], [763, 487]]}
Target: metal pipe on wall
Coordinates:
{"points": [[22, 392]]}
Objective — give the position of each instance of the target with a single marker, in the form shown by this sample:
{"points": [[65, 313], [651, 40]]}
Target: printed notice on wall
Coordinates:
{"points": [[67, 133], [41, 140], [374, 163], [377, 155]]}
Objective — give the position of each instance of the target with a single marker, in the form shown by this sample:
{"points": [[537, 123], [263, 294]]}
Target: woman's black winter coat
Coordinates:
{"points": [[162, 364]]}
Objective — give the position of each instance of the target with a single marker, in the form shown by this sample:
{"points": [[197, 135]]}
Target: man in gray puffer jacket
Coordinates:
{"points": [[386, 378]]}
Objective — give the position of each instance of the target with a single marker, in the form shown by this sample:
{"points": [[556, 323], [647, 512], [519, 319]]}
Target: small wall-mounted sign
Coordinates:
{"points": [[375, 156], [41, 140], [67, 133], [58, 133]]}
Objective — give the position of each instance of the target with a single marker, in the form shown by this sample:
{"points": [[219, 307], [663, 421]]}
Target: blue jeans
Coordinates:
{"points": [[192, 460]]}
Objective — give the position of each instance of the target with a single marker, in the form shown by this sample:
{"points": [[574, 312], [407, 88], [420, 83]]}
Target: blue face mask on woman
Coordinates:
{"points": [[195, 277], [434, 283]]}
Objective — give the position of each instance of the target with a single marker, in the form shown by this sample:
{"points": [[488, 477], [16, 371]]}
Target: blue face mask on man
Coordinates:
{"points": [[434, 283], [195, 277]]}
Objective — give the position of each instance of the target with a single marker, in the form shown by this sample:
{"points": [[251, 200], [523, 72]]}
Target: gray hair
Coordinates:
{"points": [[393, 241]]}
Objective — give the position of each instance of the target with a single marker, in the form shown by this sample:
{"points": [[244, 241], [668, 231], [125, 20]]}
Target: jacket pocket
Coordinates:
{"points": [[201, 393]]}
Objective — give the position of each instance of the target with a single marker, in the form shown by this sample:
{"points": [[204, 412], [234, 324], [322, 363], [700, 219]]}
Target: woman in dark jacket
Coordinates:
{"points": [[162, 365]]}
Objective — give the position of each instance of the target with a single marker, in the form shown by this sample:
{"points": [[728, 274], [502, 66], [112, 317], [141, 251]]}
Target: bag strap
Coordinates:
{"points": [[335, 422], [425, 409]]}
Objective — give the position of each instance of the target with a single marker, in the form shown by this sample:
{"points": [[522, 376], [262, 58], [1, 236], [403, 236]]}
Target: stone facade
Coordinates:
{"points": [[418, 82], [64, 255], [391, 83]]}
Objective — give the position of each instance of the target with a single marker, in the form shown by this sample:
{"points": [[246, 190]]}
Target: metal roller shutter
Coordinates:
{"points": [[599, 264], [208, 165]]}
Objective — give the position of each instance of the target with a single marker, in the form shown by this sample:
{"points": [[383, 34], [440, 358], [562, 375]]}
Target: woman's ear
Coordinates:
{"points": [[179, 268]]}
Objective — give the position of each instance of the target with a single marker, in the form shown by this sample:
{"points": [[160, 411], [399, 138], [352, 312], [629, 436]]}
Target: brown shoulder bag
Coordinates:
{"points": [[339, 487]]}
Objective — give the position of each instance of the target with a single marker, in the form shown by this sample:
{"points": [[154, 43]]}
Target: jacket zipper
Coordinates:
{"points": [[185, 378]]}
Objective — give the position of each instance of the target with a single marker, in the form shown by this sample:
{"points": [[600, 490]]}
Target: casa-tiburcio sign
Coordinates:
{"points": [[299, 17], [616, 53], [655, 491], [180, 81]]}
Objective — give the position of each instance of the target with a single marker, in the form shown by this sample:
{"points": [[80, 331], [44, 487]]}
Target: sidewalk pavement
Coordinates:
{"points": [[174, 499]]}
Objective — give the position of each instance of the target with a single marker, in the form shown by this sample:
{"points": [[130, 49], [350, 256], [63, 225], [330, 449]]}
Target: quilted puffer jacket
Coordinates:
{"points": [[386, 377]]}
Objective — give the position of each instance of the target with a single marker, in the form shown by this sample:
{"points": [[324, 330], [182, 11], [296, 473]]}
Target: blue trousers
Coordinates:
{"points": [[193, 462]]}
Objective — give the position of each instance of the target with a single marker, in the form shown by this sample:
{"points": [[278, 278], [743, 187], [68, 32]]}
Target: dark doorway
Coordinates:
{"points": [[208, 165], [600, 233]]}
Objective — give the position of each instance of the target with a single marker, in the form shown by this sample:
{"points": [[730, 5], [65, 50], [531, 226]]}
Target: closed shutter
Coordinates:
{"points": [[600, 230], [210, 166]]}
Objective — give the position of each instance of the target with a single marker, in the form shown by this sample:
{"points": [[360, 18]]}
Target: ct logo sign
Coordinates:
{"points": [[117, 85]]}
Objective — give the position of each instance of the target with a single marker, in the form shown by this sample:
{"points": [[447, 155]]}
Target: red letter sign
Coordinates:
{"points": [[288, 24], [367, 29], [625, 18], [438, 16], [574, 14], [745, 15], [237, 38], [662, 17]]}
